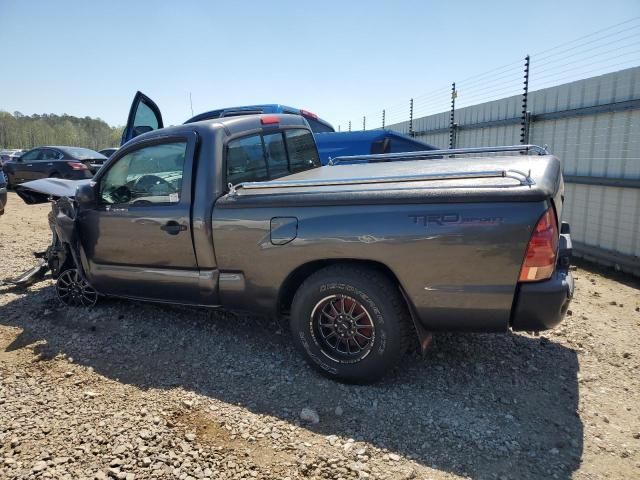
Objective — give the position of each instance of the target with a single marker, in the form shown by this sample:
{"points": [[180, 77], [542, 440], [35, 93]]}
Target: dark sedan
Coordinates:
{"points": [[52, 162]]}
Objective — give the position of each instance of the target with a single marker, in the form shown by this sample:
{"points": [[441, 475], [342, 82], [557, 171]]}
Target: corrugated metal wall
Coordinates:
{"points": [[593, 126]]}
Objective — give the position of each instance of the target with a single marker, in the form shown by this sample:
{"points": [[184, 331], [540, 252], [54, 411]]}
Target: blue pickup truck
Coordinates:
{"points": [[145, 116], [339, 144]]}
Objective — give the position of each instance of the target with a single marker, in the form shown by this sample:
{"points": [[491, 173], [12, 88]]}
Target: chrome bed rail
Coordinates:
{"points": [[521, 177], [425, 154]]}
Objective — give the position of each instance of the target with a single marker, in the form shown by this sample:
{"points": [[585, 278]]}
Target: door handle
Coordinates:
{"points": [[173, 227]]}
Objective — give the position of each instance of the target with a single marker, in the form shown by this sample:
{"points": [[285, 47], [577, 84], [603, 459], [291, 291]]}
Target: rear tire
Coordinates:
{"points": [[351, 322]]}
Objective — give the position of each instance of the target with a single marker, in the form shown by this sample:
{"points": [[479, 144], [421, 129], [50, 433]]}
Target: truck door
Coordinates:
{"points": [[137, 239], [144, 116]]}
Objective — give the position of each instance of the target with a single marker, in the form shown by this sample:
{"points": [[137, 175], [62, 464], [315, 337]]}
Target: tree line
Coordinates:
{"points": [[29, 131]]}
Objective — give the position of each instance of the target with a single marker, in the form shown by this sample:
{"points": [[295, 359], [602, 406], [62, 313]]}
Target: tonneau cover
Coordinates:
{"points": [[544, 172]]}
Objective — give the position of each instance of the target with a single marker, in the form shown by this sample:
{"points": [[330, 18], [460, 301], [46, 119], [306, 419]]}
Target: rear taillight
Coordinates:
{"points": [[540, 258], [77, 165]]}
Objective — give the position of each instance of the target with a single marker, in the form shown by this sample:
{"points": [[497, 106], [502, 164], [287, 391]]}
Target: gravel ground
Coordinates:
{"points": [[131, 390]]}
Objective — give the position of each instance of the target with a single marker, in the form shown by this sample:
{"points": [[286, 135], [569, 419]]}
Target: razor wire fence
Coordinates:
{"points": [[581, 99], [612, 48]]}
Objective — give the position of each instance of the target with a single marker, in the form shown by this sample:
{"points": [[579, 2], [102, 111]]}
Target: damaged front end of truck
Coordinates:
{"points": [[62, 257]]}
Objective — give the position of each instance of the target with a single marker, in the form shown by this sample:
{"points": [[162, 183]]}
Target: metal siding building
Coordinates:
{"points": [[593, 126]]}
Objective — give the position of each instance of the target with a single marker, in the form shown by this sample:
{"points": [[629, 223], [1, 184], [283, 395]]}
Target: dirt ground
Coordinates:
{"points": [[130, 390]]}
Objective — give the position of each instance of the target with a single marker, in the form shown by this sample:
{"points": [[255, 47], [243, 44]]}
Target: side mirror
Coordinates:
{"points": [[86, 194]]}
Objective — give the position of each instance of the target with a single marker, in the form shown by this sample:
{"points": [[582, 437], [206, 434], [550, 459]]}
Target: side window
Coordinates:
{"points": [[31, 156], [303, 154], [48, 155], [148, 176], [245, 160], [276, 155]]}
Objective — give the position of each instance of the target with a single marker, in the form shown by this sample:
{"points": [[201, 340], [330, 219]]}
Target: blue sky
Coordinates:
{"points": [[339, 59]]}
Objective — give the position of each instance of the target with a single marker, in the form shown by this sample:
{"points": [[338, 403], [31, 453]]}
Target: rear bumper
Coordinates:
{"points": [[94, 167], [542, 305]]}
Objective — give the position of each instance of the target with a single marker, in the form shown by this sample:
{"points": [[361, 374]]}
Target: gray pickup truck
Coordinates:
{"points": [[365, 257]]}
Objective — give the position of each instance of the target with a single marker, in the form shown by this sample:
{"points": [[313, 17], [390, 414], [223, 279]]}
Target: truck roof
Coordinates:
{"points": [[231, 125], [321, 125]]}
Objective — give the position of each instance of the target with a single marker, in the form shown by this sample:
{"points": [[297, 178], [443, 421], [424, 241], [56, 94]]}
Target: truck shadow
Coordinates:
{"points": [[482, 405]]}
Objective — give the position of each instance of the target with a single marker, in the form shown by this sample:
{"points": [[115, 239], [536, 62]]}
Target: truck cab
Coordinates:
{"points": [[161, 189]]}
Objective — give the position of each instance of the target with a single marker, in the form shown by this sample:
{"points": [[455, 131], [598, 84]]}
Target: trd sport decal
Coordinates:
{"points": [[445, 219]]}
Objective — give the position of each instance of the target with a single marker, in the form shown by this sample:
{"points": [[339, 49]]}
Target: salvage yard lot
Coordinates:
{"points": [[132, 390]]}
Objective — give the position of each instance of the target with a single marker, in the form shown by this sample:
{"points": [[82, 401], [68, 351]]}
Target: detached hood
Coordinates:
{"points": [[40, 191]]}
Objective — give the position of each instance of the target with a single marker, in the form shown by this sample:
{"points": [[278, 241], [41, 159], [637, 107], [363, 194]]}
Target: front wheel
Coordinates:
{"points": [[73, 290], [351, 323]]}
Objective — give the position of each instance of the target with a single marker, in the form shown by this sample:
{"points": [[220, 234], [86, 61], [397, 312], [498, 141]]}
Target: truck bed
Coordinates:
{"points": [[426, 229]]}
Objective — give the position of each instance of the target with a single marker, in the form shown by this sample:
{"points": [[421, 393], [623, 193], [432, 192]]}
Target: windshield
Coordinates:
{"points": [[83, 153]]}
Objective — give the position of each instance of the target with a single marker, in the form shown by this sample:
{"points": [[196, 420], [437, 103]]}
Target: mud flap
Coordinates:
{"points": [[424, 336]]}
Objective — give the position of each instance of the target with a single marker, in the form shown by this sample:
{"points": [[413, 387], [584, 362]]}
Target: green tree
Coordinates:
{"points": [[24, 131]]}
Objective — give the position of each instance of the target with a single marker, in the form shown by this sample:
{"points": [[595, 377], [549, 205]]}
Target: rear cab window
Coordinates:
{"points": [[268, 156]]}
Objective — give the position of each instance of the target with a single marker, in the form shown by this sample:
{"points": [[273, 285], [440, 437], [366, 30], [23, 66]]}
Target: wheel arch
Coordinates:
{"points": [[300, 274]]}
